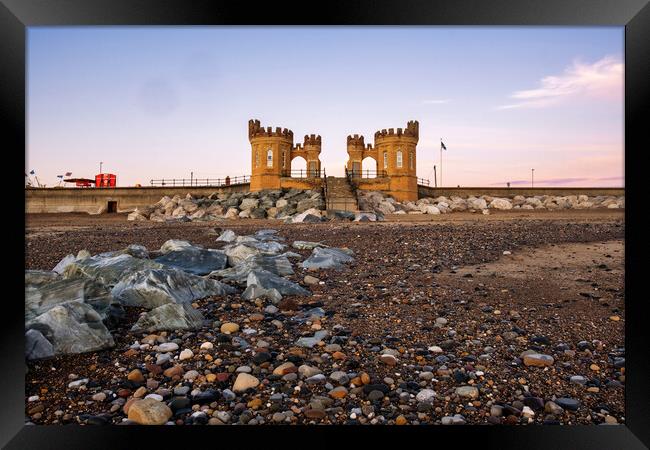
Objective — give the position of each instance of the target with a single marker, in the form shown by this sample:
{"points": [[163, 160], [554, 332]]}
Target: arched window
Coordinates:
{"points": [[257, 158], [269, 158], [284, 159], [399, 158], [385, 160], [411, 161]]}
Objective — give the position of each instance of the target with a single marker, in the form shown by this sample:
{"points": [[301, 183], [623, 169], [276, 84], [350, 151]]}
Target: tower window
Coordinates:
{"points": [[284, 160], [269, 158], [257, 158], [399, 158], [385, 160], [411, 163]]}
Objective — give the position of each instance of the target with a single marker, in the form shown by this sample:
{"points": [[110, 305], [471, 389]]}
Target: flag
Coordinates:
{"points": [[442, 145], [32, 172], [67, 174]]}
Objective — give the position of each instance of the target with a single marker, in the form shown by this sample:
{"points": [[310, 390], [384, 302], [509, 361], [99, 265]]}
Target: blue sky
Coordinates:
{"points": [[154, 102]]}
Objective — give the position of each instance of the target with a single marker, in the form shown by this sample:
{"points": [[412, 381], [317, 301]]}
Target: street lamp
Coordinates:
{"points": [[532, 178]]}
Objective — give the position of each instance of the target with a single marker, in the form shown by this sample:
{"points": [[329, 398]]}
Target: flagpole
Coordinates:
{"points": [[440, 162]]}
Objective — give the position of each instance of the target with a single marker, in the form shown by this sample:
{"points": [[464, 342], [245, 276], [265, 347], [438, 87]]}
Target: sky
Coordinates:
{"points": [[162, 102]]}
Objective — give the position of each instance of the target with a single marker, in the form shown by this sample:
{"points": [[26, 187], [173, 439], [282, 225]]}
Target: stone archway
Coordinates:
{"points": [[298, 167], [369, 167]]}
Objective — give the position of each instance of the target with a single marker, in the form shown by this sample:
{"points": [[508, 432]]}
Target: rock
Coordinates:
{"points": [[207, 346], [108, 270], [476, 203], [229, 327], [553, 408], [305, 245], [168, 347], [136, 376], [327, 258], [568, 403], [227, 236], [151, 288], [248, 204], [72, 328], [284, 368], [311, 280], [467, 391], [388, 359], [169, 317], [197, 261], [276, 264], [500, 203], [245, 381], [311, 341], [306, 371], [268, 280], [185, 354], [41, 294], [37, 346], [149, 412], [538, 360], [426, 396]]}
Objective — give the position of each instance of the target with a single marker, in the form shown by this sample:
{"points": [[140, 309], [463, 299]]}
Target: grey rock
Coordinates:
{"points": [[154, 287], [37, 346], [72, 327], [268, 280], [194, 260], [328, 258], [110, 270], [169, 317]]}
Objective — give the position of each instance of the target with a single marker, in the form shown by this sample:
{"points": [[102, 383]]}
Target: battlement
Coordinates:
{"points": [[412, 130], [356, 141], [255, 129], [312, 140]]}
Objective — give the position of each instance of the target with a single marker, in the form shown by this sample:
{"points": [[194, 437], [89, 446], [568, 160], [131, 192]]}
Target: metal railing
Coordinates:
{"points": [[423, 181], [365, 173], [302, 173], [181, 182]]}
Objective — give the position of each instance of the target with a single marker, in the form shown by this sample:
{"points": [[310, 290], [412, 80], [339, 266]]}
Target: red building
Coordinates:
{"points": [[105, 180]]}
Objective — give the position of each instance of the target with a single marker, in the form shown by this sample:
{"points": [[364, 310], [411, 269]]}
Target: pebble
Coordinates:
{"points": [[78, 383], [185, 354], [245, 381], [207, 346], [310, 280], [538, 360], [467, 391], [229, 328], [426, 396], [568, 403], [388, 359], [149, 412], [168, 347]]}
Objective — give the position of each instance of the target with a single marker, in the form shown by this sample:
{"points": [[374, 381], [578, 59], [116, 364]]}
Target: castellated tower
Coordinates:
{"points": [[357, 152], [269, 150], [272, 152], [397, 156]]}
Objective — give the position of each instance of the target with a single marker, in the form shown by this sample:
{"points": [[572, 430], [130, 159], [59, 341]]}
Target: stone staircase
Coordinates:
{"points": [[340, 195]]}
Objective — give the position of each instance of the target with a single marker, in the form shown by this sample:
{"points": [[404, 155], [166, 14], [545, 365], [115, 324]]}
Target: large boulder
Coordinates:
{"points": [[37, 346], [500, 203], [170, 316], [249, 203], [72, 327], [277, 264], [268, 280], [108, 270], [40, 297], [197, 261], [476, 203], [328, 258], [154, 287]]}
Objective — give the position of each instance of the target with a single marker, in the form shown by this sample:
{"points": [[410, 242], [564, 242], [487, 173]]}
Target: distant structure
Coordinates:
{"points": [[272, 152], [394, 153]]}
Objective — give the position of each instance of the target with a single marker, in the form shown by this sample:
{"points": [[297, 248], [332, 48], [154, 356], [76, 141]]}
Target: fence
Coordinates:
{"points": [[365, 173], [302, 173], [199, 182]]}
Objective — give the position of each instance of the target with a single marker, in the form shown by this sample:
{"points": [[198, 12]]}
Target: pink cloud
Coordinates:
{"points": [[602, 79]]}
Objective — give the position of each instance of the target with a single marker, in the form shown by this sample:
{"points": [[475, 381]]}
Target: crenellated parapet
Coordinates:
{"points": [[255, 129], [312, 140], [412, 131]]}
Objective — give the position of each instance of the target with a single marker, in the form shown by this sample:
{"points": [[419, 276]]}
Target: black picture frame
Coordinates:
{"points": [[16, 15]]}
